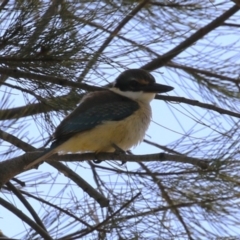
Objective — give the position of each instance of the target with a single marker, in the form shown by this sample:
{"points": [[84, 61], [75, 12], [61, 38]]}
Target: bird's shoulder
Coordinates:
{"points": [[98, 98]]}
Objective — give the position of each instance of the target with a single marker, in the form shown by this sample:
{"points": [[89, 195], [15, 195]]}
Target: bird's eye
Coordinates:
{"points": [[134, 83]]}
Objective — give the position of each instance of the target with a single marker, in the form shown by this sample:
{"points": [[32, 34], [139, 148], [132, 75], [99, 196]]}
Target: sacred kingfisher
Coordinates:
{"points": [[115, 117]]}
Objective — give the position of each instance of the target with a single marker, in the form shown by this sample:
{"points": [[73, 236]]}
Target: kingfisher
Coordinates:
{"points": [[110, 119]]}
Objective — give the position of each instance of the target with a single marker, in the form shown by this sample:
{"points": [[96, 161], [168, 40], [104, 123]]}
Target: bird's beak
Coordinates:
{"points": [[157, 88]]}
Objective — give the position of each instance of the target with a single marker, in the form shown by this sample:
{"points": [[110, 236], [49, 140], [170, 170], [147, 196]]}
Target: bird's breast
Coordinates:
{"points": [[124, 133]]}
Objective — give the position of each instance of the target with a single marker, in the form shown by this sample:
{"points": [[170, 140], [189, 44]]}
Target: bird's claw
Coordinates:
{"points": [[119, 151]]}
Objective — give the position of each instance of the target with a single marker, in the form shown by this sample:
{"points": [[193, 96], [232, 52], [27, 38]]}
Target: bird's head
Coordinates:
{"points": [[138, 84]]}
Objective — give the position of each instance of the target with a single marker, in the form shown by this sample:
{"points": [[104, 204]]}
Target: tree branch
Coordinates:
{"points": [[110, 38], [201, 71], [25, 218], [237, 2], [68, 213], [160, 61], [49, 79], [37, 108], [40, 26], [85, 186], [167, 198], [160, 157], [26, 204], [179, 205], [14, 166], [199, 104], [3, 4], [112, 215], [11, 168], [16, 141]]}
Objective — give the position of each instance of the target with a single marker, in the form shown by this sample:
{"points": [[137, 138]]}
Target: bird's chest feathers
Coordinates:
{"points": [[132, 129]]}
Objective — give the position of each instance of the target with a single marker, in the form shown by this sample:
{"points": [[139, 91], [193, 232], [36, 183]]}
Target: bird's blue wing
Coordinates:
{"points": [[96, 108], [95, 116]]}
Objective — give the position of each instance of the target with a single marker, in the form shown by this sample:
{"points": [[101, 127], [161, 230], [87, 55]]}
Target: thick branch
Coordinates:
{"points": [[237, 2], [3, 4], [14, 166], [161, 157], [11, 167]]}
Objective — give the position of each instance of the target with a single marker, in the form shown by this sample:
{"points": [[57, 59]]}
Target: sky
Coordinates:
{"points": [[170, 122]]}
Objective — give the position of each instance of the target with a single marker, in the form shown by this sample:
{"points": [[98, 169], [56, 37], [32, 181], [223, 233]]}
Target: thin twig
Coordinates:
{"points": [[26, 204], [110, 38], [100, 198], [25, 218], [179, 205], [112, 215], [37, 108], [50, 79], [58, 208], [199, 104], [160, 61], [201, 71], [164, 148], [167, 198]]}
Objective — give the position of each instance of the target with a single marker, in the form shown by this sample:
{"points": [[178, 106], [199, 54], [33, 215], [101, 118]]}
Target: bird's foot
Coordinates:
{"points": [[119, 151], [96, 160]]}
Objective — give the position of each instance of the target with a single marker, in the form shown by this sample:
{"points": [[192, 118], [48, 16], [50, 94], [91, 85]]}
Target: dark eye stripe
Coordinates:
{"points": [[134, 83]]}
